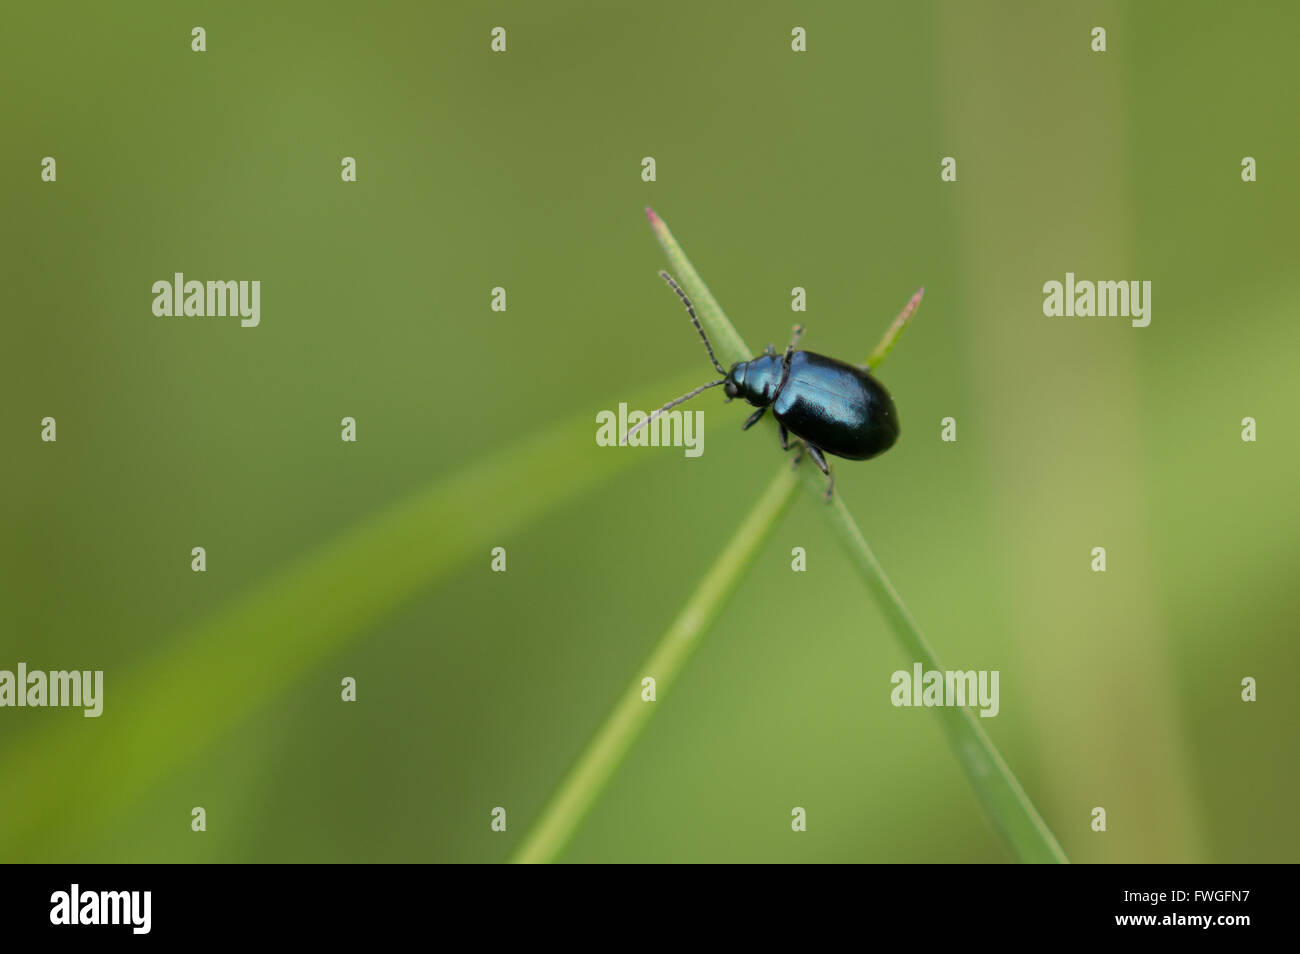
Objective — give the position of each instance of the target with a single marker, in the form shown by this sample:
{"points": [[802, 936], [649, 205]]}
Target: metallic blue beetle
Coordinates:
{"points": [[830, 407]]}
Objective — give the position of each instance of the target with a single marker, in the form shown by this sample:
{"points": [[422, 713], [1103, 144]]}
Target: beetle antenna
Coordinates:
{"points": [[668, 407], [695, 321]]}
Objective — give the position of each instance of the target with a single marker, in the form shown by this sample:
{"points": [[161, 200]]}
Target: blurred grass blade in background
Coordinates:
{"points": [[176, 702]]}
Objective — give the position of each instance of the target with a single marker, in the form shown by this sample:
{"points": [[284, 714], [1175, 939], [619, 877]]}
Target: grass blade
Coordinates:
{"points": [[603, 755], [895, 330], [728, 344], [1005, 803]]}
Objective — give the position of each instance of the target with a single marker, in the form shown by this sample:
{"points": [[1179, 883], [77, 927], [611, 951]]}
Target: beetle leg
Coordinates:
{"points": [[820, 459], [786, 444], [753, 418], [789, 351], [770, 351]]}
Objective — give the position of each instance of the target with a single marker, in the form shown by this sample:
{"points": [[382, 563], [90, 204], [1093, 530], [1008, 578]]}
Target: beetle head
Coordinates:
{"points": [[734, 385]]}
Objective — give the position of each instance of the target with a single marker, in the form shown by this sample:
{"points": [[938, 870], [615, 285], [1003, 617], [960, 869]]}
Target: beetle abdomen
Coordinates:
{"points": [[837, 407]]}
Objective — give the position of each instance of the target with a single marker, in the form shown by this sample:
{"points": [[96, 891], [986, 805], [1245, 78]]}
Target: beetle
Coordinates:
{"points": [[830, 406]]}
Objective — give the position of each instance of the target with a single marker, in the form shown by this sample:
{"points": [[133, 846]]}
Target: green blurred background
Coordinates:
{"points": [[775, 169]]}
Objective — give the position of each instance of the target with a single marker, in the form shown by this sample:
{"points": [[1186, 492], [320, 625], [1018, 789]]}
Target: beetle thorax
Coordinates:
{"points": [[757, 381]]}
